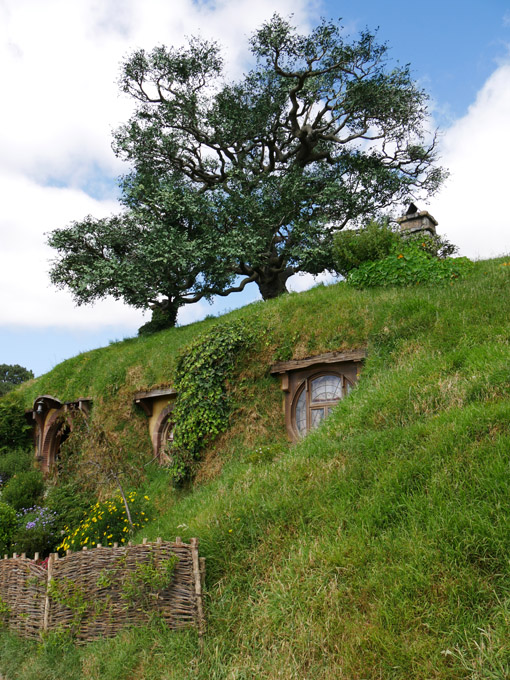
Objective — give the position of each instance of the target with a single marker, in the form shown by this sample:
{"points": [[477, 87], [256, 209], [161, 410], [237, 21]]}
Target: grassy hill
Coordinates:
{"points": [[379, 546]]}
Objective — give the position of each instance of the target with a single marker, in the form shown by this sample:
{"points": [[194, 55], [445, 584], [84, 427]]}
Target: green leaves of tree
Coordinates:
{"points": [[12, 375], [243, 182]]}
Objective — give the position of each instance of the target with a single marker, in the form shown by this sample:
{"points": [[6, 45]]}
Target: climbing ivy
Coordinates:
{"points": [[142, 586], [73, 596], [202, 406]]}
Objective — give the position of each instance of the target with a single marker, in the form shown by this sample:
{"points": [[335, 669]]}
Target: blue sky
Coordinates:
{"points": [[59, 62]]}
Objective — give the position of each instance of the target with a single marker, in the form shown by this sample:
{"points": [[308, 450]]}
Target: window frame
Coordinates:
{"points": [[294, 372], [305, 385]]}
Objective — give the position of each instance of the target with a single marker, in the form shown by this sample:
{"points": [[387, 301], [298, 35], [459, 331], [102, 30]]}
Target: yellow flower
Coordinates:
{"points": [[146, 498], [122, 540]]}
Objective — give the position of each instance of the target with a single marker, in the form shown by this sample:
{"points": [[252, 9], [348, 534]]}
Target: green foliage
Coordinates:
{"points": [[353, 247], [68, 501], [160, 320], [14, 429], [24, 490], [38, 530], [7, 527], [107, 522], [202, 406], [377, 240], [413, 265], [68, 593], [386, 529], [248, 179], [14, 461], [141, 587], [12, 375], [433, 244], [5, 610]]}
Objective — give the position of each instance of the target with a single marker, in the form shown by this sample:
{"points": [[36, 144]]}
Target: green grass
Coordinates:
{"points": [[378, 547]]}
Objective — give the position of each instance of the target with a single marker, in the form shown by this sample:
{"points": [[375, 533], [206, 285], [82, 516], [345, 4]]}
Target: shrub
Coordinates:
{"points": [[24, 490], [353, 247], [37, 531], [411, 266], [69, 502], [13, 462], [7, 527], [14, 429], [437, 246], [378, 240], [106, 522]]}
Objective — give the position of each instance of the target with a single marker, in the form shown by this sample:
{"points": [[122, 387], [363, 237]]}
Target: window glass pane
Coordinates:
{"points": [[317, 414], [301, 413], [326, 388]]}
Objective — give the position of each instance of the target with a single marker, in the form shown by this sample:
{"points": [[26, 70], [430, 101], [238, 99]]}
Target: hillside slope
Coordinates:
{"points": [[378, 547]]}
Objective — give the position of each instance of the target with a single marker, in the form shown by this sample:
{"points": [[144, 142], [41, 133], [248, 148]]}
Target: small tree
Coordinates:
{"points": [[245, 182]]}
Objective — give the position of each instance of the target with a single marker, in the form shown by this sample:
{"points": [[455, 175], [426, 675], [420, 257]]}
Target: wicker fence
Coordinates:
{"points": [[85, 592]]}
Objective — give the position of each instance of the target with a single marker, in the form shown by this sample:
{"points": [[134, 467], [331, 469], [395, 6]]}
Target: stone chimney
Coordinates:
{"points": [[415, 221]]}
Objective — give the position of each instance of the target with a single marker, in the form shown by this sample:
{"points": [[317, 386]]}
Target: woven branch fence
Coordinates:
{"points": [[85, 592]]}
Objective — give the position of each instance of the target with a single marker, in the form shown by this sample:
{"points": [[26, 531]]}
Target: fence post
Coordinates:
{"points": [[49, 577], [198, 585]]}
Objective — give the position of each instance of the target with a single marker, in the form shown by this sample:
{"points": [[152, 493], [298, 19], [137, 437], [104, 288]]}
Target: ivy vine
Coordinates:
{"points": [[202, 406], [141, 587]]}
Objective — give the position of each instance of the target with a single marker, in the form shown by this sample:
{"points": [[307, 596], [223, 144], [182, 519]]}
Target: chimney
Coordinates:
{"points": [[416, 220]]}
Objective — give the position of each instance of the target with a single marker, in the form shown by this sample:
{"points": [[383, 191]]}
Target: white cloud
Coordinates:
{"points": [[59, 65], [26, 297], [300, 282], [472, 208]]}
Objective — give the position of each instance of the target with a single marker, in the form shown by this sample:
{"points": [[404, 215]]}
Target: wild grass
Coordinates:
{"points": [[376, 548]]}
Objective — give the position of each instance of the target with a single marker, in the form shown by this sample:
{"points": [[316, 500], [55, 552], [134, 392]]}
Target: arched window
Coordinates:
{"points": [[315, 398]]}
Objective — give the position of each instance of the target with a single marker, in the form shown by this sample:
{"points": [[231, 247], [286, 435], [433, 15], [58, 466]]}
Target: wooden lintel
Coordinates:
{"points": [[145, 400], [327, 358], [153, 394]]}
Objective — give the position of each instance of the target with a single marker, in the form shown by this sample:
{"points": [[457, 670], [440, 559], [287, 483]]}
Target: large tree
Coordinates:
{"points": [[248, 181]]}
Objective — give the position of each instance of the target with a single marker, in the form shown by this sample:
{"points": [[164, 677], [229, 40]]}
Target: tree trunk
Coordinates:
{"points": [[161, 318], [273, 284]]}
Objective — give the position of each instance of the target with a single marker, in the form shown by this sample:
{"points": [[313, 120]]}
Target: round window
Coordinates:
{"points": [[315, 399]]}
